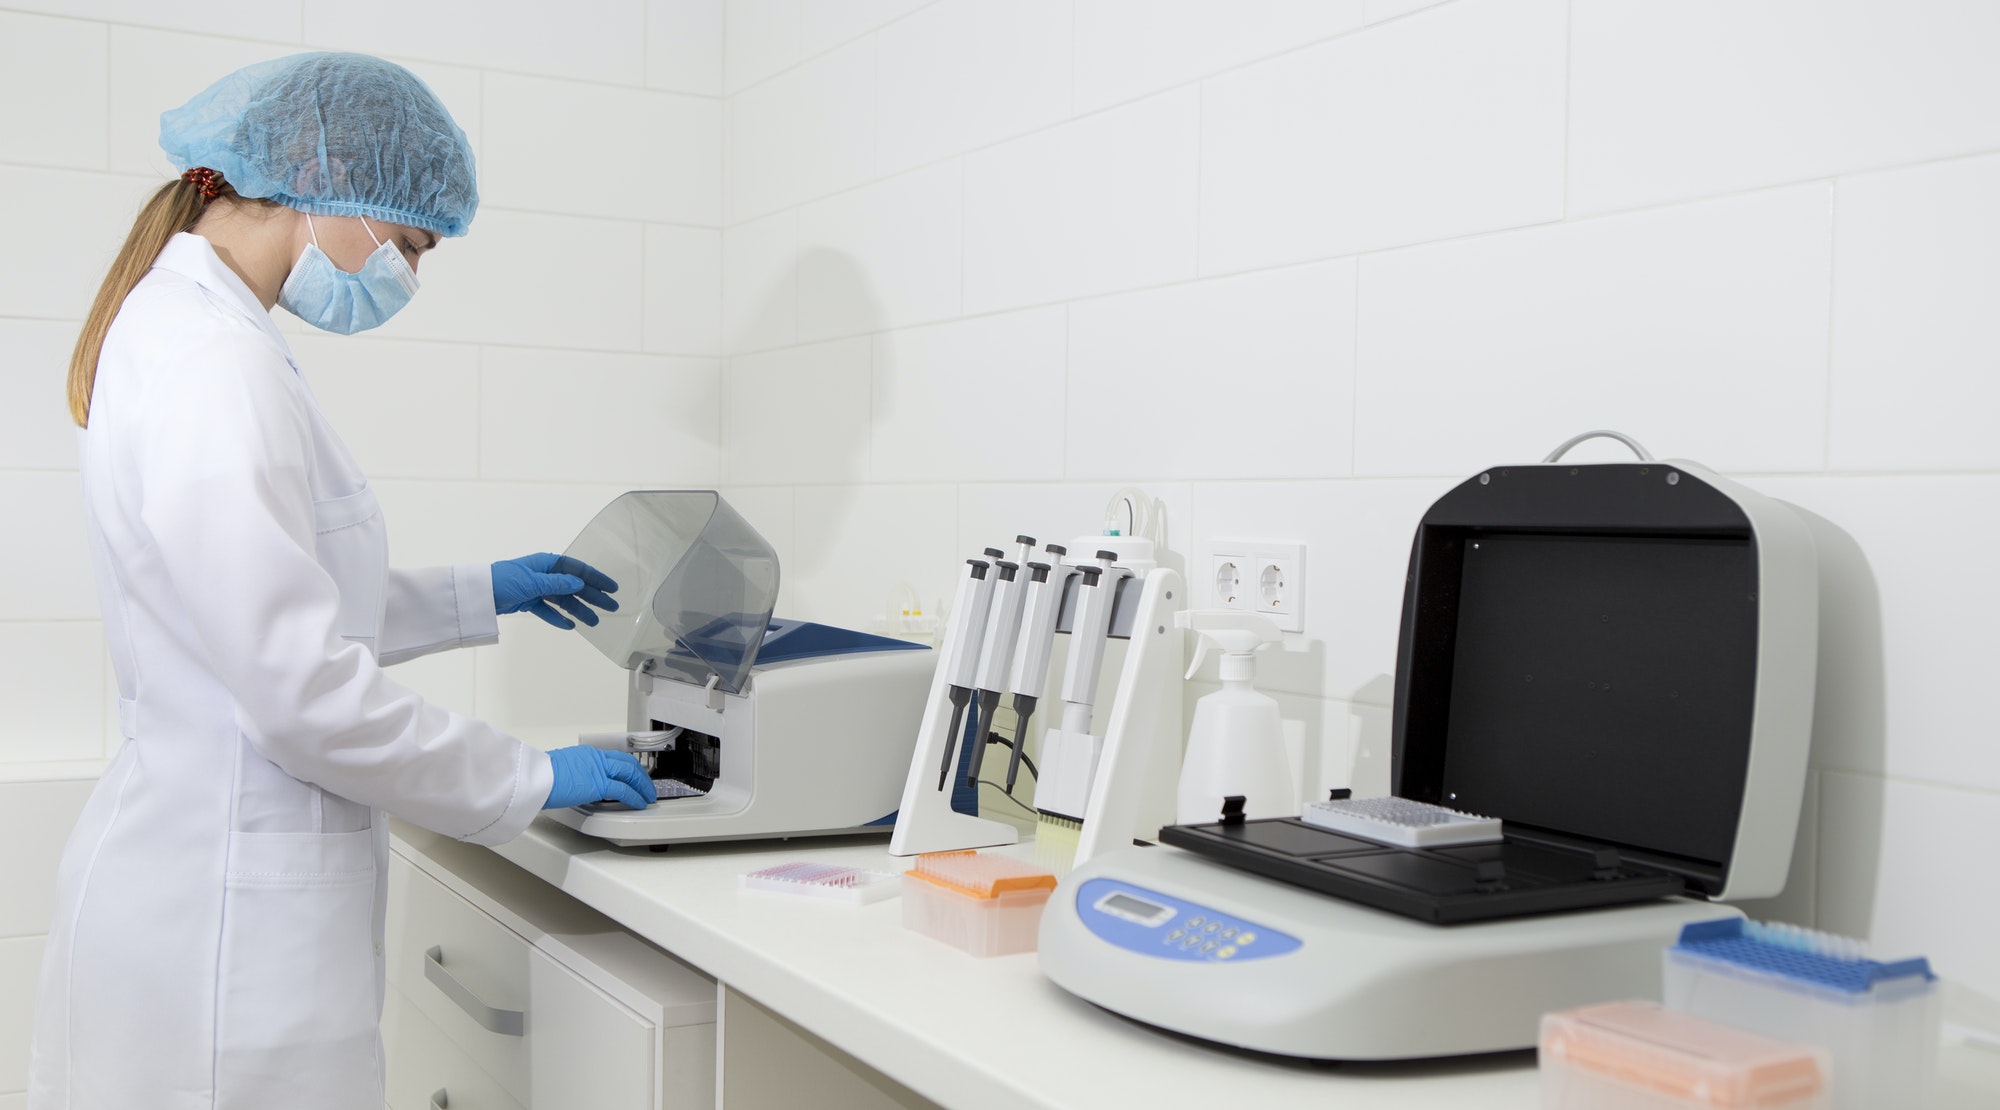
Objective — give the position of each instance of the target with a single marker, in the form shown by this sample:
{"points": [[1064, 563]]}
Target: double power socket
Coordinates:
{"points": [[1260, 576]]}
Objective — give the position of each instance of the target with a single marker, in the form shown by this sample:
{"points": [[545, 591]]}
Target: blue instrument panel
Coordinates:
{"points": [[1154, 924]]}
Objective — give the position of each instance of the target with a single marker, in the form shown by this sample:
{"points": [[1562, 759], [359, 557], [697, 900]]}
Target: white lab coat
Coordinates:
{"points": [[217, 940]]}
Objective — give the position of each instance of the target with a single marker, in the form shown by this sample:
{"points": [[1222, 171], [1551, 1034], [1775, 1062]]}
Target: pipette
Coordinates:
{"points": [[996, 653], [1069, 754], [1041, 605], [959, 653]]}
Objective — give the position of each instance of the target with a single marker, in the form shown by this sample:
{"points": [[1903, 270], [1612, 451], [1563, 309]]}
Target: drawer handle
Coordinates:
{"points": [[439, 1101], [507, 1023]]}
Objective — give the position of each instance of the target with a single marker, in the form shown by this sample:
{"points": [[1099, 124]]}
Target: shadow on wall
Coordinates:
{"points": [[801, 417]]}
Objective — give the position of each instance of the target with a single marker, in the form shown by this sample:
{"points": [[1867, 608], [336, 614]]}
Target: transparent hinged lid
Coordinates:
{"points": [[696, 585]]}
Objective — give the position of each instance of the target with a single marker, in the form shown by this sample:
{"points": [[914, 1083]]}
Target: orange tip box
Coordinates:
{"points": [[986, 905], [1641, 1056]]}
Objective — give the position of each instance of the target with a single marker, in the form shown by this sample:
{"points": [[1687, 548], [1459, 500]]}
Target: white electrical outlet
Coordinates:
{"points": [[1260, 576]]}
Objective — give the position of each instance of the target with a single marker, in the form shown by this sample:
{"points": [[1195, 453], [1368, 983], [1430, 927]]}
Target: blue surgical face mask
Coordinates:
{"points": [[326, 296]]}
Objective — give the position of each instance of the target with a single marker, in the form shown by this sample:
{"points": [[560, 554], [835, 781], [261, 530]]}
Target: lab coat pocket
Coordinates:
{"points": [[352, 544], [296, 1005]]}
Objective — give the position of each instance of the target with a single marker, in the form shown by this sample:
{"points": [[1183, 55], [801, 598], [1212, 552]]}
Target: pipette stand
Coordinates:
{"points": [[1132, 793]]}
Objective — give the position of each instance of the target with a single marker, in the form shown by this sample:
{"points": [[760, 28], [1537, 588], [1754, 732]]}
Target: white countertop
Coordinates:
{"points": [[976, 1033], [961, 1030]]}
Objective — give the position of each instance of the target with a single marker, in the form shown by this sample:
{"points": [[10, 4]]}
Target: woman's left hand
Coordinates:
{"points": [[530, 583]]}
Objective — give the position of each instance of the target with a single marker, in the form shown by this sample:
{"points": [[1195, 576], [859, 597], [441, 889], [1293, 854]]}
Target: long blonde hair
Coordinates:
{"points": [[172, 209]]}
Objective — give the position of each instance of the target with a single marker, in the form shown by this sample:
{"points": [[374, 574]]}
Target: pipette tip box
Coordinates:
{"points": [[1642, 1056], [1880, 1021], [986, 905], [825, 881]]}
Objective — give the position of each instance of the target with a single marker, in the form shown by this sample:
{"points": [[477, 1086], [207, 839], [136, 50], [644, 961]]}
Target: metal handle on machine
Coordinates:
{"points": [[507, 1023], [439, 1101]]}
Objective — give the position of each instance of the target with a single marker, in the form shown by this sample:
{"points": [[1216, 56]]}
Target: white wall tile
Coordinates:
{"points": [[683, 290], [1916, 345], [882, 256], [566, 416], [1908, 701], [440, 523], [35, 429], [1376, 11], [1127, 48], [1265, 360], [1686, 100], [591, 40], [406, 410], [20, 971], [534, 280], [1701, 330], [651, 155], [16, 1101], [1426, 128], [965, 73], [798, 416], [1357, 536], [1061, 513], [760, 37], [53, 72], [156, 71], [250, 19], [80, 221], [53, 689], [760, 283], [45, 576], [856, 543], [35, 820], [684, 45], [1105, 203], [1893, 861], [541, 677], [805, 133], [828, 25], [971, 401]]}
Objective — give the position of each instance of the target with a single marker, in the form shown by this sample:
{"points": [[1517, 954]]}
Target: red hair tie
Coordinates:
{"points": [[206, 180]]}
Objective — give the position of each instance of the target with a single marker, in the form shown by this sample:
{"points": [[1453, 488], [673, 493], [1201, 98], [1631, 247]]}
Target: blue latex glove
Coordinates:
{"points": [[528, 584], [585, 774]]}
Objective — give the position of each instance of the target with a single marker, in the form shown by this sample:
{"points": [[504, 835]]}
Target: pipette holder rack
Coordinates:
{"points": [[1132, 793]]}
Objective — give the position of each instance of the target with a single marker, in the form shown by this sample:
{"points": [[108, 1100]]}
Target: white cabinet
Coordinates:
{"points": [[505, 993]]}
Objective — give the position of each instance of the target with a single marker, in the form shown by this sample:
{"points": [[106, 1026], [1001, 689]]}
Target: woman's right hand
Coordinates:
{"points": [[585, 774]]}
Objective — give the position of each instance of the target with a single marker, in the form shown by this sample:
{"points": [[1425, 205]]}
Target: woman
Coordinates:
{"points": [[217, 937]]}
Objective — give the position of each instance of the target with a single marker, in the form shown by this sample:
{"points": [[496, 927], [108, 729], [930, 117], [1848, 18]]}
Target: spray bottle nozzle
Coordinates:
{"points": [[1234, 633]]}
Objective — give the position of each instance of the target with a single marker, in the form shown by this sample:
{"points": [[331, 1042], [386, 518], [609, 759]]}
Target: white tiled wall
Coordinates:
{"points": [[908, 277], [1296, 266], [563, 352]]}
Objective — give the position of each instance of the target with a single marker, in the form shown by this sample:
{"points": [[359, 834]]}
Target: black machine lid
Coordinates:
{"points": [[1578, 657]]}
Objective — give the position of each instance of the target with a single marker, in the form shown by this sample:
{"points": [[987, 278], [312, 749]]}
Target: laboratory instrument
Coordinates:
{"points": [[1880, 1021], [1642, 1056], [1616, 660], [1236, 745], [750, 726], [1391, 820], [987, 905]]}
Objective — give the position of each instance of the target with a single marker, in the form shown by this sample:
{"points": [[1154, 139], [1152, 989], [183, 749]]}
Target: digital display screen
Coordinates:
{"points": [[1129, 906]]}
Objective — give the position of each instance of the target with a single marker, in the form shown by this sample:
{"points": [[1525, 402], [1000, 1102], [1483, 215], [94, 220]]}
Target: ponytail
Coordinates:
{"points": [[174, 208]]}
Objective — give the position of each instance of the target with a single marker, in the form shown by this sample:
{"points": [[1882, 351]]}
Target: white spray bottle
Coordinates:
{"points": [[1236, 744]]}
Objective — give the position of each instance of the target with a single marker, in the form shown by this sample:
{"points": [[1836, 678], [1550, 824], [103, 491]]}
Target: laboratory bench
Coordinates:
{"points": [[656, 981]]}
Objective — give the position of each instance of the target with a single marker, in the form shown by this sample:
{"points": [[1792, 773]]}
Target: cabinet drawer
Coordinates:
{"points": [[420, 1062], [478, 996]]}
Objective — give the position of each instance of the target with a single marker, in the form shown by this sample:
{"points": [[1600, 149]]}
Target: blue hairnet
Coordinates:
{"points": [[331, 134]]}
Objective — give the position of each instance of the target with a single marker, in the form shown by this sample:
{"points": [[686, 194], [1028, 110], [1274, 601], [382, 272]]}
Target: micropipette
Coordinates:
{"points": [[1003, 628], [959, 653], [1040, 607]]}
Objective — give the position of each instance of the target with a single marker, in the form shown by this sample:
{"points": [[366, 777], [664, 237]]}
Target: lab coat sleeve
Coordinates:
{"points": [[222, 467], [435, 609]]}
